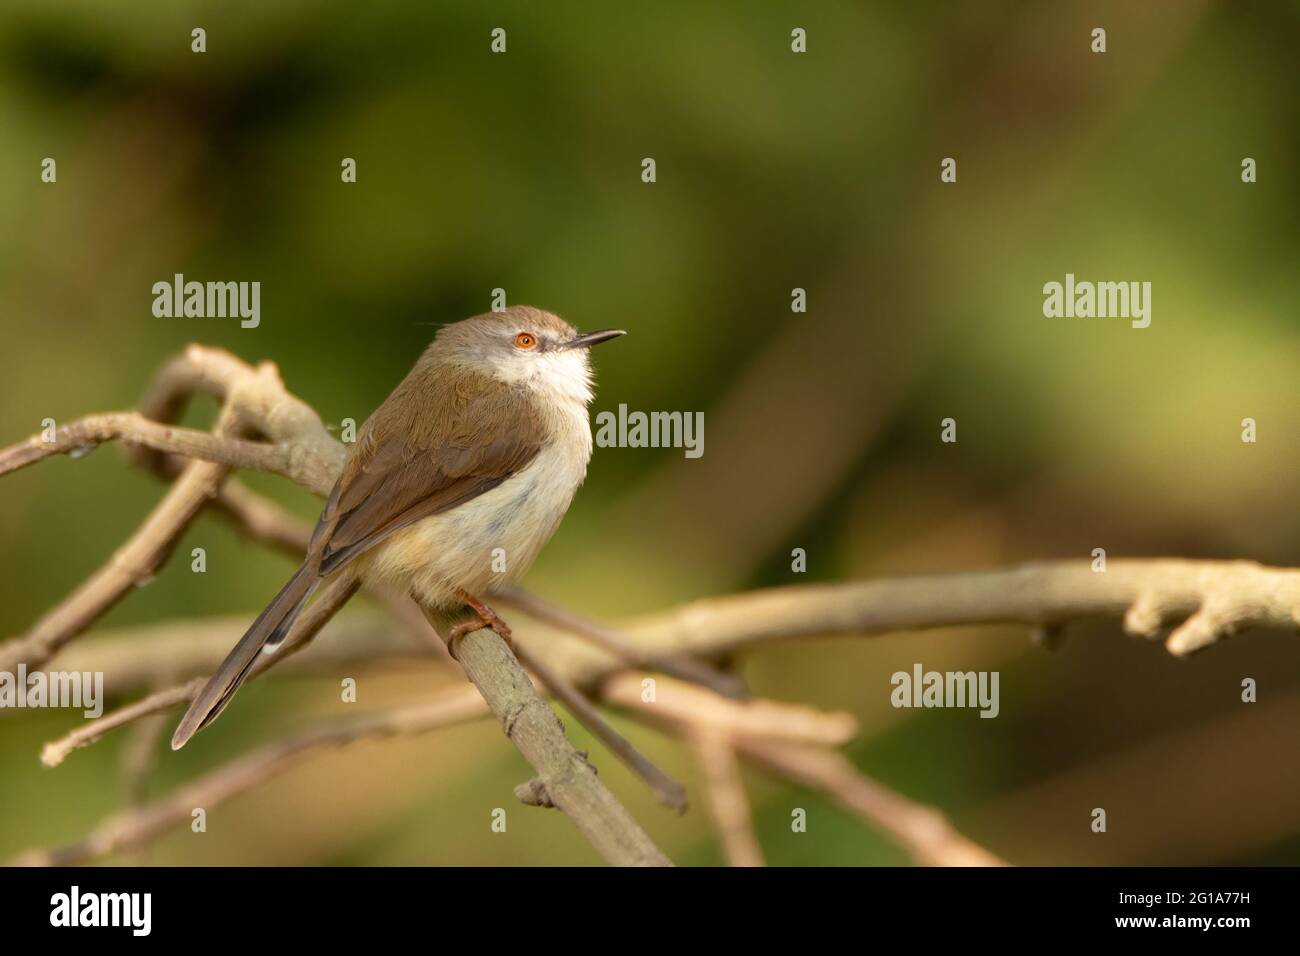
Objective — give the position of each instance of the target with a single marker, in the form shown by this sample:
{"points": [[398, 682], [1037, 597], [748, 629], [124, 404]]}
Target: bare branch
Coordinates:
{"points": [[1030, 595], [337, 593], [790, 740], [264, 403], [139, 826], [1211, 600], [666, 790], [133, 565], [727, 800], [570, 782], [407, 613], [254, 399], [132, 428], [922, 831], [627, 650], [55, 752], [139, 756], [132, 658], [684, 707], [262, 519]]}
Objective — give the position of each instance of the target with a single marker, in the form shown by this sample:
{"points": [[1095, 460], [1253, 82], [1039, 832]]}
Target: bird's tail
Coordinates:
{"points": [[268, 630]]}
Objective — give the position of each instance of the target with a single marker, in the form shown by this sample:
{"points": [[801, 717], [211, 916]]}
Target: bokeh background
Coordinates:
{"points": [[775, 170]]}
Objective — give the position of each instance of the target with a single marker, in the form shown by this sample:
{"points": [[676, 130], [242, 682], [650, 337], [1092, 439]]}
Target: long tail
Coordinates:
{"points": [[269, 629]]}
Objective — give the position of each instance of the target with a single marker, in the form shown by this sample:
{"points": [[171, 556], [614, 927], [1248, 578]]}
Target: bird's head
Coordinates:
{"points": [[525, 346]]}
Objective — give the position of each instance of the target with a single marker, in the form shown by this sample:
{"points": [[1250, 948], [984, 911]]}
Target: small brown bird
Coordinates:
{"points": [[468, 466]]}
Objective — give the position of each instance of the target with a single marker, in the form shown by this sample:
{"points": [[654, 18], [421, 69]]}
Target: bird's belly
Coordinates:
{"points": [[485, 543]]}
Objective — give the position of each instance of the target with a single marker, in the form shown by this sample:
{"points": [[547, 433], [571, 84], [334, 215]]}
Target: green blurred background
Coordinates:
{"points": [[775, 170]]}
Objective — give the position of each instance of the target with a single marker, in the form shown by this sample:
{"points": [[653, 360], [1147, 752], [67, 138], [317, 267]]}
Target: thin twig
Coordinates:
{"points": [[792, 740], [666, 790], [134, 564], [139, 757], [132, 428], [727, 801], [137, 827], [922, 831], [685, 707], [136, 658], [621, 646], [407, 613], [314, 617], [137, 761], [262, 519], [56, 751]]}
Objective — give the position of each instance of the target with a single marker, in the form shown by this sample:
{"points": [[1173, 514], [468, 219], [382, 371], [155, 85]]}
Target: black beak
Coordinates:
{"points": [[593, 338]]}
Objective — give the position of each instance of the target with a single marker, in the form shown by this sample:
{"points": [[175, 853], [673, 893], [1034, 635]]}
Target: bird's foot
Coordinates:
{"points": [[483, 617]]}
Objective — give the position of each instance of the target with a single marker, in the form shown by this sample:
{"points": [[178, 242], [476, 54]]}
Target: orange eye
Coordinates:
{"points": [[525, 340]]}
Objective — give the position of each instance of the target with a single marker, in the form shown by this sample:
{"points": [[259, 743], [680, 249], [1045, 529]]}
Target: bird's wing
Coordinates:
{"points": [[422, 455]]}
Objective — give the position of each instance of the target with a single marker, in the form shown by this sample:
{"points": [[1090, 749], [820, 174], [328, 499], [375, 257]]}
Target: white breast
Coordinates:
{"points": [[492, 540]]}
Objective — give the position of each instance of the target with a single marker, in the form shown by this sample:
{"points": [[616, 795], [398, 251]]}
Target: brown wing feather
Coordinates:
{"points": [[431, 446]]}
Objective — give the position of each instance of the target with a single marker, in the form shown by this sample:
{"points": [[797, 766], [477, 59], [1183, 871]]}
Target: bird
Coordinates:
{"points": [[452, 487]]}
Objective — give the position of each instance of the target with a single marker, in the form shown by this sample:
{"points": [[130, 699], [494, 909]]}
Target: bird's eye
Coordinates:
{"points": [[525, 340]]}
